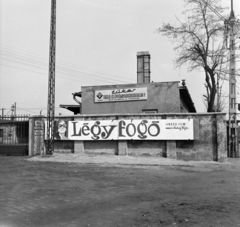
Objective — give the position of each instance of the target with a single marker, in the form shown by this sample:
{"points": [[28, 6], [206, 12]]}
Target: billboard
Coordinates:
{"points": [[131, 129], [121, 94]]}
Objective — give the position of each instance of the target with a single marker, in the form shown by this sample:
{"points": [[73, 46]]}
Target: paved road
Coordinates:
{"points": [[64, 194], [75, 194]]}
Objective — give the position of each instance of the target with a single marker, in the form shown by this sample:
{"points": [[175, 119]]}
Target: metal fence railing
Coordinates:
{"points": [[14, 130]]}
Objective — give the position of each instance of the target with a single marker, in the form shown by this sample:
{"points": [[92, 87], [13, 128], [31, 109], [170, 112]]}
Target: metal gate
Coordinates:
{"points": [[232, 149], [14, 135]]}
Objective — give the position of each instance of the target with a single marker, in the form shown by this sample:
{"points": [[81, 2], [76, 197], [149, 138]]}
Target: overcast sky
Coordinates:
{"points": [[96, 44]]}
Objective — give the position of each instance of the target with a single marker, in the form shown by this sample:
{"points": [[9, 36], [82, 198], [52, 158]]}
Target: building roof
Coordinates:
{"points": [[79, 94], [74, 108], [184, 93]]}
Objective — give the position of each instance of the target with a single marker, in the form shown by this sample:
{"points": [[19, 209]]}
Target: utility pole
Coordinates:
{"points": [[13, 109], [51, 82], [233, 149], [232, 123], [3, 112]]}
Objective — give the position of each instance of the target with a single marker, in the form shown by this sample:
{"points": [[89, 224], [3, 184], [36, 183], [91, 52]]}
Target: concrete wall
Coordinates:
{"points": [[147, 148], [210, 145], [36, 135], [211, 142], [164, 97]]}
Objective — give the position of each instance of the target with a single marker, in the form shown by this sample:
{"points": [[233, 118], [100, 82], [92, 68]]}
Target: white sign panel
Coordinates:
{"points": [[156, 129], [122, 94], [93, 130], [145, 129]]}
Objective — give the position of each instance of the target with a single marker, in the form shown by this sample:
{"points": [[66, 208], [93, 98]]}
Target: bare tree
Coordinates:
{"points": [[199, 43], [221, 104]]}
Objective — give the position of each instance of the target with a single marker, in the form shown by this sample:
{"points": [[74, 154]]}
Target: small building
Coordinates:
{"points": [[142, 97]]}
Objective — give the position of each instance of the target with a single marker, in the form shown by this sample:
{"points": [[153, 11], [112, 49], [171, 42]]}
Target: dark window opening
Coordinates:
{"points": [[1, 136], [150, 111]]}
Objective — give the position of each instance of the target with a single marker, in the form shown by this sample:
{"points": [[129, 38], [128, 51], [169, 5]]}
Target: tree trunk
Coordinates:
{"points": [[212, 94]]}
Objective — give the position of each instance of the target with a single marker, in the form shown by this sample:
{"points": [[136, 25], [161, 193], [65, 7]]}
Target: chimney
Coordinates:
{"points": [[143, 67]]}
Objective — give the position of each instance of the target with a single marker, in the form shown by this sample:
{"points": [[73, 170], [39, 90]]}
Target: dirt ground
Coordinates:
{"points": [[112, 191]]}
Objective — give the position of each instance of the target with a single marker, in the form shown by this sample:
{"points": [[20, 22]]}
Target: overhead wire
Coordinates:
{"points": [[7, 112], [214, 10], [30, 109], [37, 62], [158, 67], [66, 74], [26, 110], [63, 68]]}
